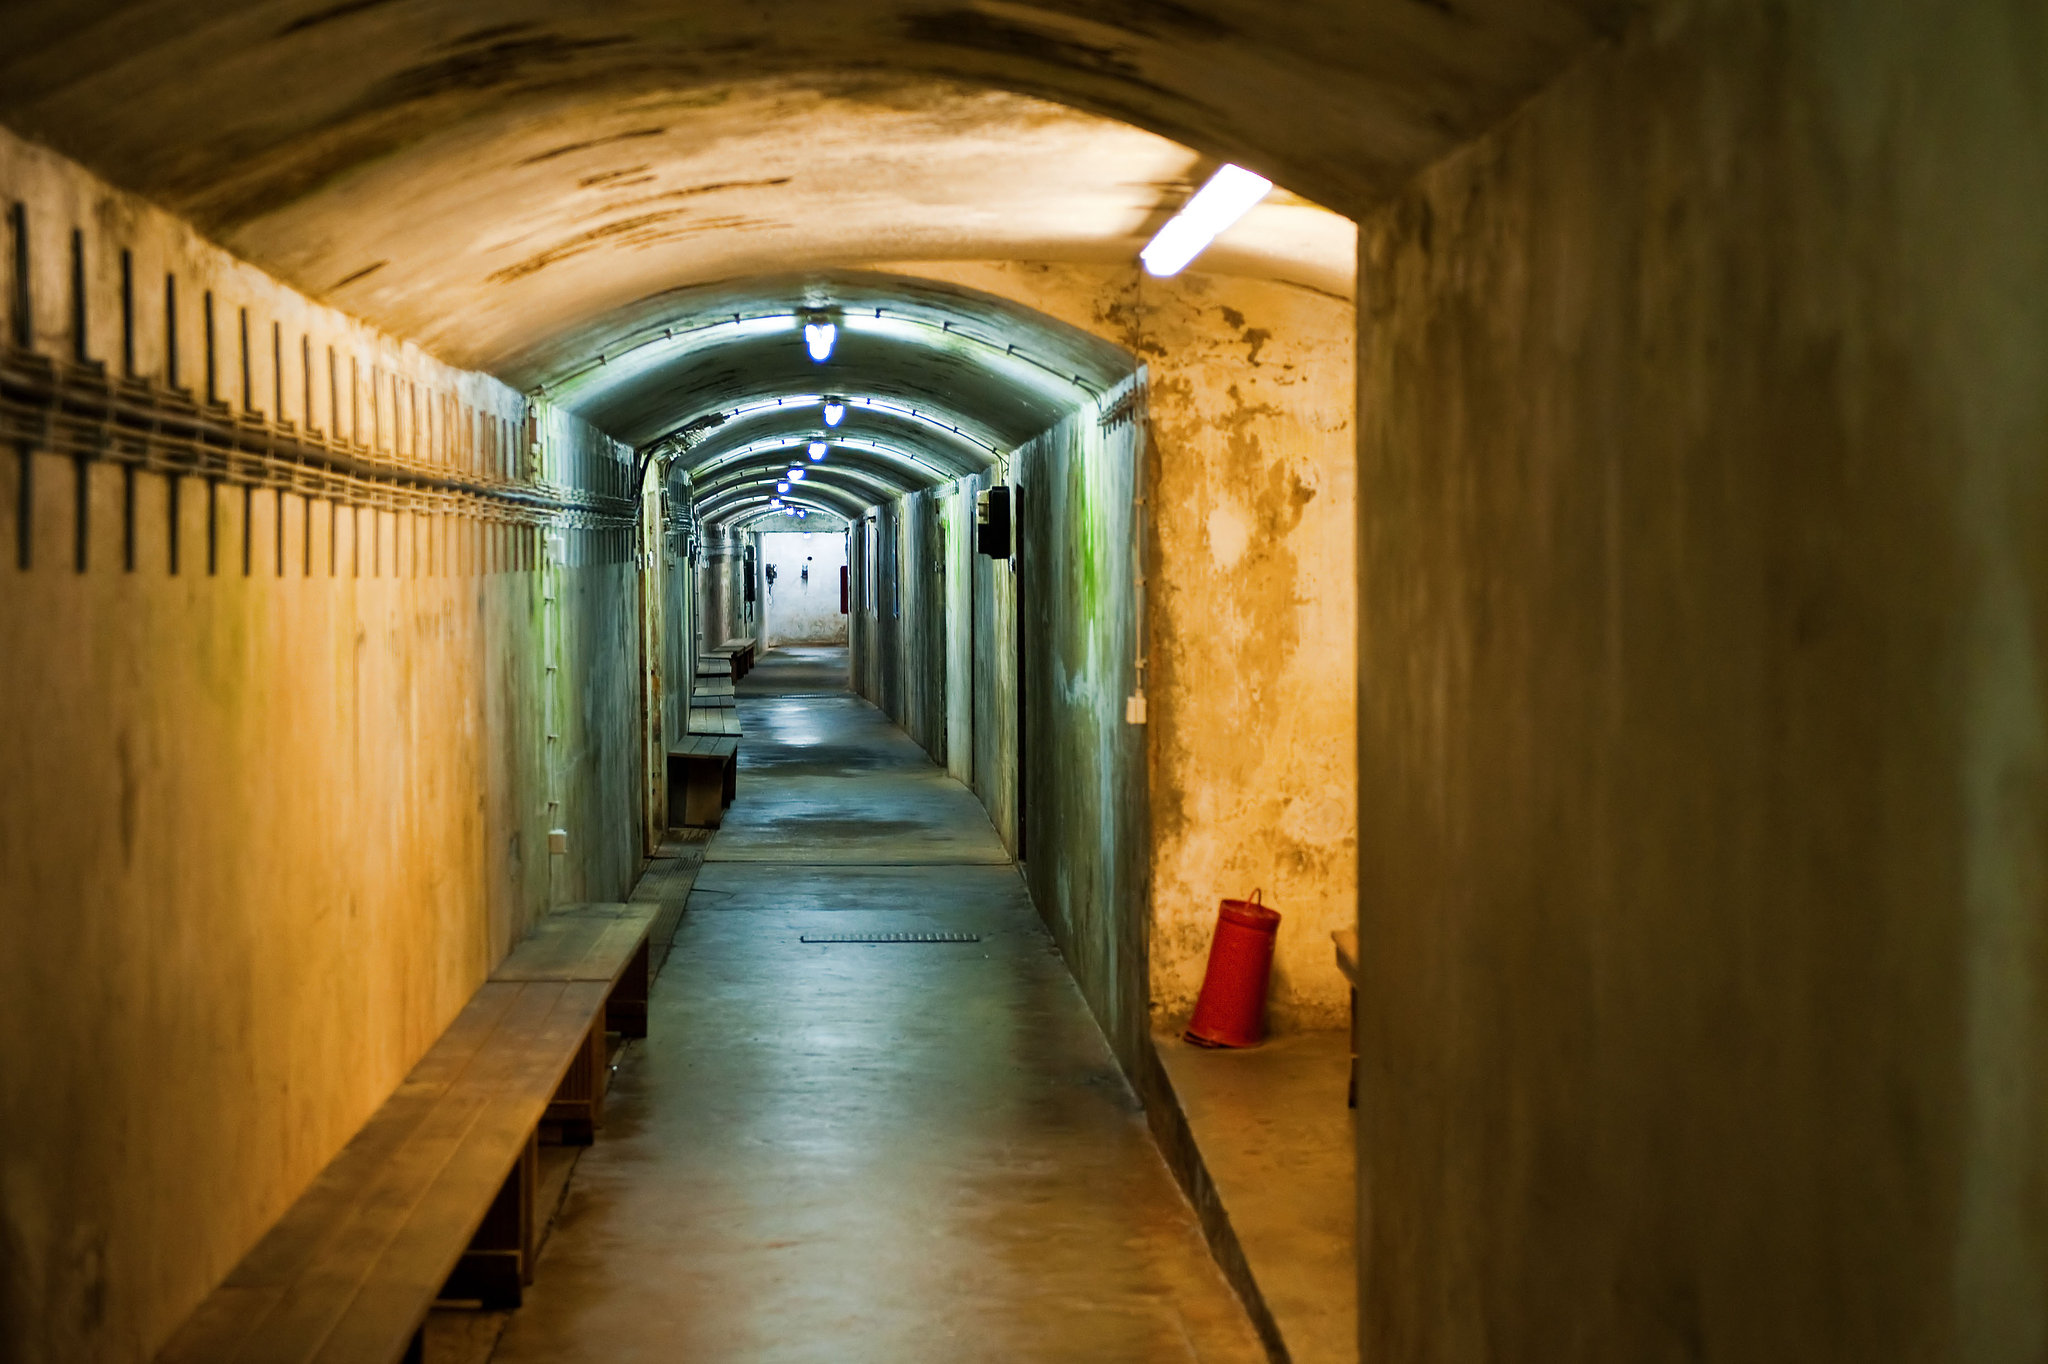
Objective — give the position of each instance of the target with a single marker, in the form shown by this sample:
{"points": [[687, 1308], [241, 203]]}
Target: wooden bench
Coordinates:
{"points": [[742, 651], [603, 942], [1346, 941], [433, 1199], [710, 687], [718, 721], [703, 778]]}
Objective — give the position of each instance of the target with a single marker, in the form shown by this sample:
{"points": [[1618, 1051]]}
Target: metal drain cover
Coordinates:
{"points": [[889, 937]]}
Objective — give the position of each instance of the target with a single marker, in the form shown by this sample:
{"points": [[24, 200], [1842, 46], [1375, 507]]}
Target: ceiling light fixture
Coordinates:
{"points": [[1228, 196], [817, 450], [835, 412], [796, 473], [819, 336], [783, 486]]}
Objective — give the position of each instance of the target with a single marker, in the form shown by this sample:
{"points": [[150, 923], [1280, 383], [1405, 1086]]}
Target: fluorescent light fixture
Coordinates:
{"points": [[835, 412], [819, 336], [774, 501], [796, 473], [817, 450], [1228, 196], [783, 486]]}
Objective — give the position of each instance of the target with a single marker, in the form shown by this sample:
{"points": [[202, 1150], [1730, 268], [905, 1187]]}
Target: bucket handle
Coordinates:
{"points": [[1254, 899]]}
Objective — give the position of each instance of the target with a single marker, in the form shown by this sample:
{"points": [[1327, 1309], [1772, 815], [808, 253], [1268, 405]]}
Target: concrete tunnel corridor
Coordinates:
{"points": [[883, 1152], [1547, 493]]}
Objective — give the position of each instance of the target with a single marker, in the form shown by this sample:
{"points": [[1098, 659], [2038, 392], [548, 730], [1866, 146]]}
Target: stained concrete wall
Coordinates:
{"points": [[802, 610], [1703, 413], [934, 639], [1053, 630], [1085, 837], [1252, 602], [673, 582], [268, 816]]}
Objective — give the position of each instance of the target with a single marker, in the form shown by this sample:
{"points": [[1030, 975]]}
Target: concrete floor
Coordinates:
{"points": [[1279, 1145], [798, 670], [844, 1153]]}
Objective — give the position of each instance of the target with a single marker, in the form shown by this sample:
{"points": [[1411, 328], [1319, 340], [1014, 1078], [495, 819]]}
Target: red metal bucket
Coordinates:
{"points": [[1231, 1011]]}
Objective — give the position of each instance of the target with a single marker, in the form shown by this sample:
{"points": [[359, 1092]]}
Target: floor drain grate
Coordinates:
{"points": [[889, 937]]}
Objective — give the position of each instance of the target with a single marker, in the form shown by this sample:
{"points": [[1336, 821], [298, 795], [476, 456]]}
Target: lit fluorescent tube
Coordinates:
{"points": [[819, 336], [1228, 196]]}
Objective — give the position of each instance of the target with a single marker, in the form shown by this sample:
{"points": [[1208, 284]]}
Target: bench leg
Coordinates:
{"points": [[732, 781], [416, 1353], [625, 1010], [498, 1265], [578, 1105], [703, 805]]}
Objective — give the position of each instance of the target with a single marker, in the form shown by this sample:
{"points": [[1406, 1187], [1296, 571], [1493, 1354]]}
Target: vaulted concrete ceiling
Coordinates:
{"points": [[233, 110], [998, 371], [544, 190], [933, 382]]}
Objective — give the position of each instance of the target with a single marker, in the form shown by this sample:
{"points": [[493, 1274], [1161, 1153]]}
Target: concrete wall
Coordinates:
{"points": [[1055, 630], [673, 583], [1252, 602], [800, 610], [269, 816], [1085, 844], [1703, 734], [721, 588]]}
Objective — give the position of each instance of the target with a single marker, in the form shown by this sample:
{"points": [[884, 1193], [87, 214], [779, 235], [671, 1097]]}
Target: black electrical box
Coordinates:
{"points": [[747, 576], [992, 523]]}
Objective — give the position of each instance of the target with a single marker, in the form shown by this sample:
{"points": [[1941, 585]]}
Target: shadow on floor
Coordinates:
{"points": [[1277, 1146]]}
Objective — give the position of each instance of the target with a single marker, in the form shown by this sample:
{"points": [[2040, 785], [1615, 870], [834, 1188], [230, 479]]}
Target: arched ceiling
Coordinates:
{"points": [[999, 372], [775, 519], [631, 205], [233, 110], [934, 382], [783, 428]]}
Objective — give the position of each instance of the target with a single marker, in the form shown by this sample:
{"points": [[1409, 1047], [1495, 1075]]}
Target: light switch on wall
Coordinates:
{"points": [[558, 841]]}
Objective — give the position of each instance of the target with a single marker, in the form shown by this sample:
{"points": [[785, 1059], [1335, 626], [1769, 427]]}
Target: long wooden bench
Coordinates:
{"points": [[433, 1199], [718, 721], [703, 778], [742, 651], [603, 942], [711, 687]]}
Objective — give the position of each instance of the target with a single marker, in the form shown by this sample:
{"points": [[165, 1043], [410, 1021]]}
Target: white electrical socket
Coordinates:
{"points": [[1134, 708], [558, 841]]}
